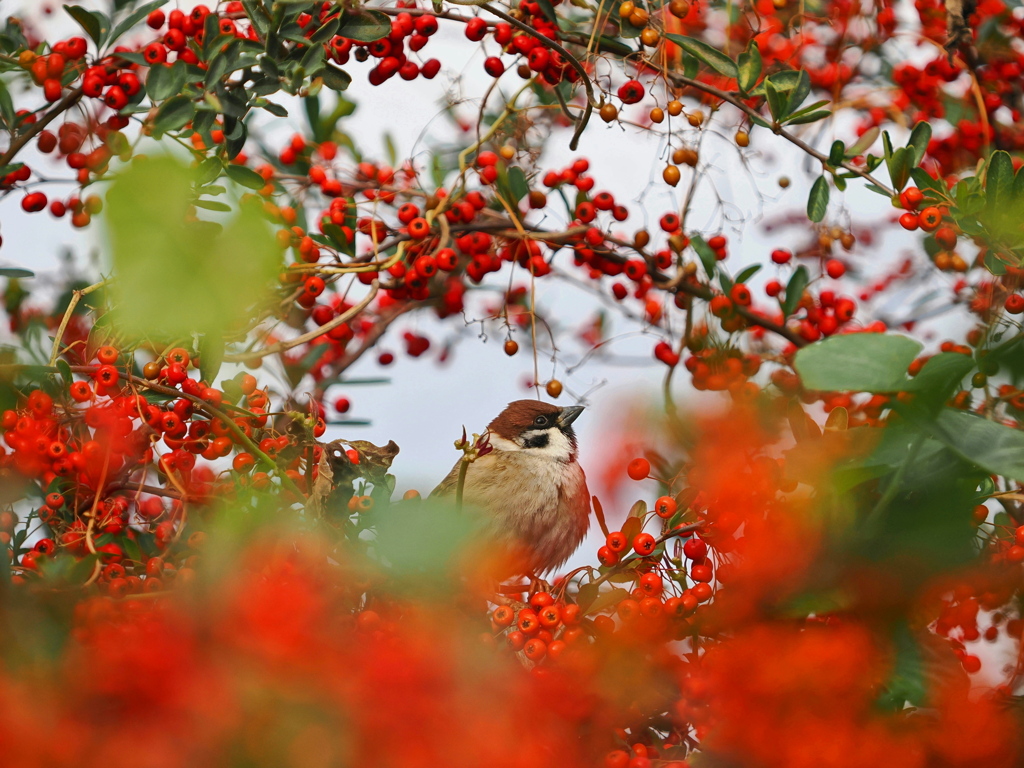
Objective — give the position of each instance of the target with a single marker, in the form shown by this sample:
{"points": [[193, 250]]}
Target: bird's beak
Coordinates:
{"points": [[568, 415]]}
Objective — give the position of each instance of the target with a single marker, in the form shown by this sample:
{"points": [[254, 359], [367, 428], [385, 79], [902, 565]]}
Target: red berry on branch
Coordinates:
{"points": [[638, 469], [644, 544]]}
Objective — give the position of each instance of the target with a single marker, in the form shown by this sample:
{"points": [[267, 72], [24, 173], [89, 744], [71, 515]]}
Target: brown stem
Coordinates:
{"points": [[26, 136]]}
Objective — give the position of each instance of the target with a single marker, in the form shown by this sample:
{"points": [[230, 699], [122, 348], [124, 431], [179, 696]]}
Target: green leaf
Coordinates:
{"points": [[713, 57], [212, 205], [997, 449], [900, 163], [274, 109], [134, 18], [785, 80], [174, 113], [857, 362], [776, 101], [924, 180], [863, 144], [808, 117], [707, 256], [918, 142], [16, 272], [517, 183], [795, 290], [601, 600], [163, 81], [247, 177], [799, 91], [836, 153], [749, 67], [364, 25], [177, 276], [548, 10], [999, 182], [208, 171], [817, 201], [335, 78], [6, 105], [747, 273], [941, 374], [211, 356], [95, 24], [327, 31], [65, 371]]}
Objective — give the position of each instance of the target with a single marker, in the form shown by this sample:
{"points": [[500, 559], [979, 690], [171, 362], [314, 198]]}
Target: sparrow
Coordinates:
{"points": [[530, 491]]}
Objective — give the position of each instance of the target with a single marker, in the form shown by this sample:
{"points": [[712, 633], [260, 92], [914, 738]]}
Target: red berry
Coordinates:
{"points": [[638, 469], [493, 66], [835, 269], [644, 544]]}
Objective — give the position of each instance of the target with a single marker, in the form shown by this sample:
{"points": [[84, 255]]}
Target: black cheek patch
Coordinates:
{"points": [[537, 441]]}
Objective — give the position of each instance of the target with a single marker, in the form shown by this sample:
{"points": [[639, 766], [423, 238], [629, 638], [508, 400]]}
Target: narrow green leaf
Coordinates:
{"points": [[707, 256], [863, 144], [776, 101], [16, 272], [65, 371], [795, 290], [517, 183], [6, 105], [747, 273], [134, 18], [808, 117], [713, 57], [857, 362], [213, 205], [817, 201]]}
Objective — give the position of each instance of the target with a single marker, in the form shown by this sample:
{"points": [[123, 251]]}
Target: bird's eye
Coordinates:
{"points": [[541, 421]]}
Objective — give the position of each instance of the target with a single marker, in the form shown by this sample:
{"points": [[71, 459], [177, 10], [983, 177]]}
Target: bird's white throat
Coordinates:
{"points": [[556, 446]]}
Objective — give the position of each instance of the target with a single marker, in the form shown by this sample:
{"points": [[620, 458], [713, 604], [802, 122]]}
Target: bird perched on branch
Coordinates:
{"points": [[529, 488]]}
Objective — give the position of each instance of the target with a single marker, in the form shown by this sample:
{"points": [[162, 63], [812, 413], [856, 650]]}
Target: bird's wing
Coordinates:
{"points": [[447, 486]]}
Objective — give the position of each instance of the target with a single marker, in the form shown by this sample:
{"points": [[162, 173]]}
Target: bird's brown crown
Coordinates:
{"points": [[519, 417]]}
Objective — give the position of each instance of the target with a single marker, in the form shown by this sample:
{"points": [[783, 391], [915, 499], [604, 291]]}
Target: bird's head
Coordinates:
{"points": [[541, 428]]}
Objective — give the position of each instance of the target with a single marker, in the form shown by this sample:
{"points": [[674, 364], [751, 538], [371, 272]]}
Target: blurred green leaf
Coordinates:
{"points": [[795, 290], [857, 362], [707, 256], [996, 448], [176, 277]]}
